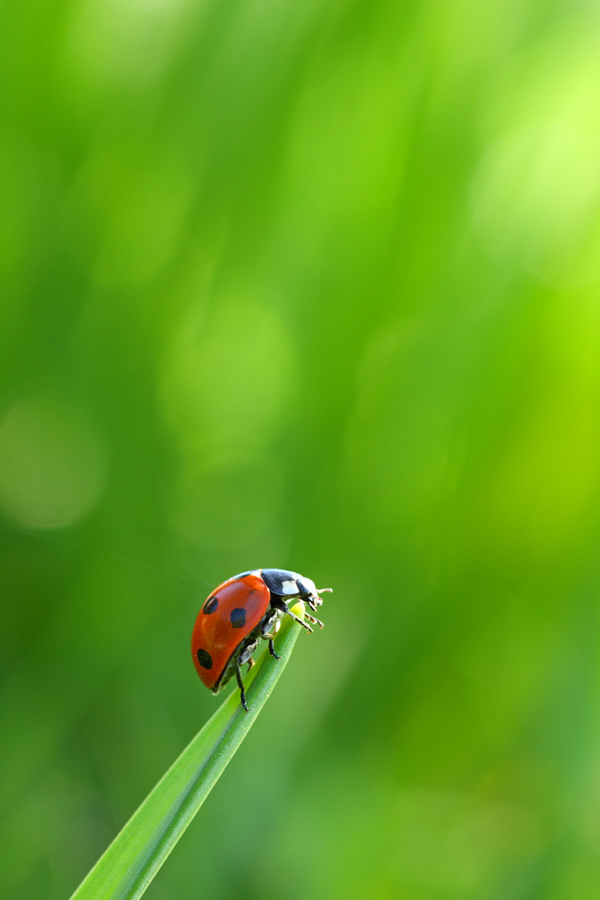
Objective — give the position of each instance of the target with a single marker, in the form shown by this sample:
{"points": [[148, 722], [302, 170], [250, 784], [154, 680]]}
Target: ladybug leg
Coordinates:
{"points": [[240, 681], [250, 663], [313, 601], [270, 627], [282, 605], [245, 656]]}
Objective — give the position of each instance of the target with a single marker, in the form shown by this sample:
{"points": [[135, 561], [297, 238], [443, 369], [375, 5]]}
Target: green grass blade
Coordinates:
{"points": [[130, 863]]}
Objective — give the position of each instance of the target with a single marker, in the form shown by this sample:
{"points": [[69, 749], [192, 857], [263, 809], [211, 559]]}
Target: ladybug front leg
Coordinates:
{"points": [[313, 620], [278, 603], [309, 599], [312, 600]]}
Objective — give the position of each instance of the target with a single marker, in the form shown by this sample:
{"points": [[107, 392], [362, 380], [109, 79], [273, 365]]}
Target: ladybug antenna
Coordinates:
{"points": [[324, 590]]}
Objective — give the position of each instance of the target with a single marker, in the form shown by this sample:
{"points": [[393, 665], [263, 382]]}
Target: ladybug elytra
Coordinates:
{"points": [[240, 613]]}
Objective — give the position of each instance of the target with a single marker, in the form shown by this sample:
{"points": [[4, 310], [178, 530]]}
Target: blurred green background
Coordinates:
{"points": [[311, 285]]}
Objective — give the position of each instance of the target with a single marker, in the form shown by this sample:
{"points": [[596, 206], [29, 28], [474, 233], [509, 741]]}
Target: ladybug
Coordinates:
{"points": [[240, 613]]}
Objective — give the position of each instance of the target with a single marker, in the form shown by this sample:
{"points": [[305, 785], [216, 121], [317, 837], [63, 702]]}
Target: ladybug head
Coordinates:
{"points": [[308, 591]]}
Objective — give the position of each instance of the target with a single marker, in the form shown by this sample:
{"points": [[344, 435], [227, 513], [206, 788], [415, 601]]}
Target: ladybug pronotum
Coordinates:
{"points": [[240, 613]]}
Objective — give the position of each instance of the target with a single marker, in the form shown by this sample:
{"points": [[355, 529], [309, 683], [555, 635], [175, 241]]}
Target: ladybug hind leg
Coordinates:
{"points": [[240, 681], [245, 656], [272, 649]]}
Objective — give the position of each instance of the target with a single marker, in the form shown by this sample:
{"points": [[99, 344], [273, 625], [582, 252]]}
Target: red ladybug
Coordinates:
{"points": [[238, 614]]}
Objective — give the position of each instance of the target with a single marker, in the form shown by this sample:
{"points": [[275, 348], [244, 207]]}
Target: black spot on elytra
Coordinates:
{"points": [[210, 605], [205, 659], [238, 617]]}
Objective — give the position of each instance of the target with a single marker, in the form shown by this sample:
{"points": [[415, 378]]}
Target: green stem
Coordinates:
{"points": [[130, 863]]}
